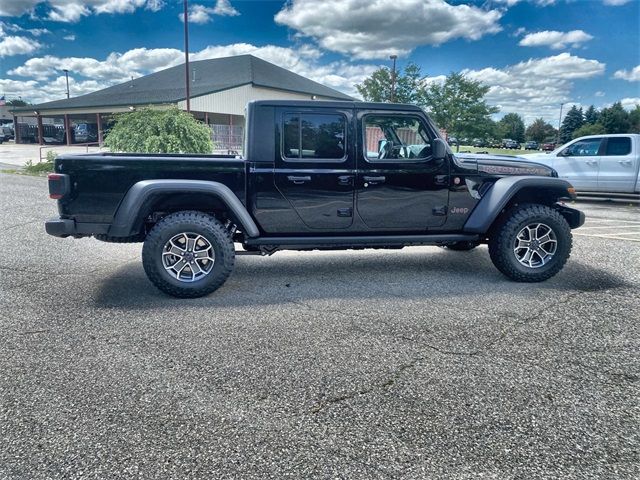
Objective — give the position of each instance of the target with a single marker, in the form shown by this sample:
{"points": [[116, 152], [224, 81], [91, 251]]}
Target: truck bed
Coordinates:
{"points": [[100, 181]]}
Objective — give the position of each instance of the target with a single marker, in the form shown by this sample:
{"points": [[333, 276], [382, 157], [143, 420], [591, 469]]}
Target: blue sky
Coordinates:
{"points": [[533, 54]]}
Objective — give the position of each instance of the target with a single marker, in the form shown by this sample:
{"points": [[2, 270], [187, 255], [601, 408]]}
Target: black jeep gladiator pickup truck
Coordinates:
{"points": [[316, 176]]}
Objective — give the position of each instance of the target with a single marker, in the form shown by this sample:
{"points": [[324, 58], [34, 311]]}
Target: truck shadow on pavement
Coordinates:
{"points": [[308, 276]]}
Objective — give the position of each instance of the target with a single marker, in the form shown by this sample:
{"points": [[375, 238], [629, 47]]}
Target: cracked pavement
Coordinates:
{"points": [[420, 363]]}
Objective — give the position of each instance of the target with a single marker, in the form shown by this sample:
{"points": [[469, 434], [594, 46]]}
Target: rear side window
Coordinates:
{"points": [[314, 136], [618, 146]]}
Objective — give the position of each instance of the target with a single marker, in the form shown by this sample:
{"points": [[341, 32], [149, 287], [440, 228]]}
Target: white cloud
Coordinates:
{"points": [[12, 27], [556, 40], [630, 76], [630, 103], [69, 38], [224, 9], [376, 29], [536, 87], [615, 3], [200, 14], [16, 8], [73, 10], [539, 3], [599, 93], [13, 45]]}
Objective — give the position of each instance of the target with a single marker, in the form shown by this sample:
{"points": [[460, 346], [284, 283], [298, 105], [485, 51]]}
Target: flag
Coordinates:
{"points": [[2, 101]]}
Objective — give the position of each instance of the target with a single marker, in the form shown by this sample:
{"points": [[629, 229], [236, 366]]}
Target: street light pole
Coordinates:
{"points": [[559, 125], [393, 79], [66, 74], [186, 55]]}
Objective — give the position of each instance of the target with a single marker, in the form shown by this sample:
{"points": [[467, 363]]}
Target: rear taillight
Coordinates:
{"points": [[59, 185]]}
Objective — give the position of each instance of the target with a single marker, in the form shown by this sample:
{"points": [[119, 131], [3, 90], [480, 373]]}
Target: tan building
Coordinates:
{"points": [[220, 90]]}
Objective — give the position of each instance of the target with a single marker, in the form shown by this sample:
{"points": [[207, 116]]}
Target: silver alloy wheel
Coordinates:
{"points": [[188, 257], [535, 245]]}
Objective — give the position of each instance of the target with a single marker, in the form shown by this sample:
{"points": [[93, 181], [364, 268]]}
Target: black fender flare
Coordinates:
{"points": [[129, 216], [503, 190]]}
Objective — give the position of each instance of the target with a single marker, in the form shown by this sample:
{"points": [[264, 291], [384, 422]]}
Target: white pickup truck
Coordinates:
{"points": [[597, 163]]}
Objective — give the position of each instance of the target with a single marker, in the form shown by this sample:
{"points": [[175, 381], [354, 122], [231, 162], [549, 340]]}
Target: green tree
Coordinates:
{"points": [[458, 106], [591, 115], [615, 119], [589, 129], [512, 126], [17, 103], [378, 87], [634, 118], [573, 120], [540, 130], [158, 131]]}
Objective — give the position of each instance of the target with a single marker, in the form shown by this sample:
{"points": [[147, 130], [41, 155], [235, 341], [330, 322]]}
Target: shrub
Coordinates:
{"points": [[41, 167], [158, 131]]}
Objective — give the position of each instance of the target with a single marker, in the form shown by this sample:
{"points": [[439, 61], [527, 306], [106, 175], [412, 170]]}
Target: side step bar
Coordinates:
{"points": [[361, 241]]}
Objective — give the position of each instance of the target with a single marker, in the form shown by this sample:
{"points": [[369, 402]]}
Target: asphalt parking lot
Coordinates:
{"points": [[420, 363]]}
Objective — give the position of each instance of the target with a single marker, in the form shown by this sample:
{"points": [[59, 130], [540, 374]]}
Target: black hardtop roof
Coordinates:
{"points": [[338, 104]]}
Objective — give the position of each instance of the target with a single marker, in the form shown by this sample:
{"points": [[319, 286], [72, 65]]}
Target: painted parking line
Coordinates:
{"points": [[609, 238]]}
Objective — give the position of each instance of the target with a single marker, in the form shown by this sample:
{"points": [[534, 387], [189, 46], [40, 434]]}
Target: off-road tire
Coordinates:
{"points": [[464, 246], [194, 222], [503, 239]]}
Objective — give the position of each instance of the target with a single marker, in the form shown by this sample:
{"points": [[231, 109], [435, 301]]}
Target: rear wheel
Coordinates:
{"points": [[531, 244], [188, 254]]}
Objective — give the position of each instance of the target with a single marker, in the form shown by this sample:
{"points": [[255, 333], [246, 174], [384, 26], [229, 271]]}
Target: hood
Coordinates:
{"points": [[504, 165]]}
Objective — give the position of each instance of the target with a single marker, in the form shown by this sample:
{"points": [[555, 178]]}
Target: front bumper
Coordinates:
{"points": [[575, 218], [61, 227]]}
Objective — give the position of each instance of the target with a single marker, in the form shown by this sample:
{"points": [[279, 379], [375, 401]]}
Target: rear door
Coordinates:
{"points": [[315, 169], [399, 185], [579, 163], [618, 166]]}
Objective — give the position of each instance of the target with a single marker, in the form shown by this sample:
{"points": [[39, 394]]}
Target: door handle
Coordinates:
{"points": [[591, 162], [345, 180], [625, 162], [374, 180], [298, 180]]}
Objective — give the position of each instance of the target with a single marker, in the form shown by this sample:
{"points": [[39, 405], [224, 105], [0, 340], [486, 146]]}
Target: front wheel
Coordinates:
{"points": [[188, 254], [531, 244]]}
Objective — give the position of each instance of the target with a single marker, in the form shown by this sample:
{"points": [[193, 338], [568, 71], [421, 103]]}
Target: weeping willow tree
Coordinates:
{"points": [[158, 131]]}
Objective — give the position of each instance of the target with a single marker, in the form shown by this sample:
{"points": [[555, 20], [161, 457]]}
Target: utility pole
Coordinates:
{"points": [[393, 79], [559, 125], [66, 74], [186, 55]]}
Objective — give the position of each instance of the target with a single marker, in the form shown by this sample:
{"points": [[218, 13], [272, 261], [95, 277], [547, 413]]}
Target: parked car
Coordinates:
{"points": [[548, 146], [86, 133], [508, 143], [7, 132], [479, 143], [1, 138], [531, 145], [453, 141], [299, 193], [597, 163]]}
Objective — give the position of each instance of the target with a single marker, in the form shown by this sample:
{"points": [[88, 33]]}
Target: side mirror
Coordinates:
{"points": [[564, 153], [439, 149]]}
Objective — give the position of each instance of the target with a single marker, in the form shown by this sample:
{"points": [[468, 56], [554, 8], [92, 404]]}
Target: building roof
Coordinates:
{"points": [[207, 76]]}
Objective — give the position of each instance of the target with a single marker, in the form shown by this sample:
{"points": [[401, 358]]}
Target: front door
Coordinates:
{"points": [[399, 185], [315, 170], [579, 163]]}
